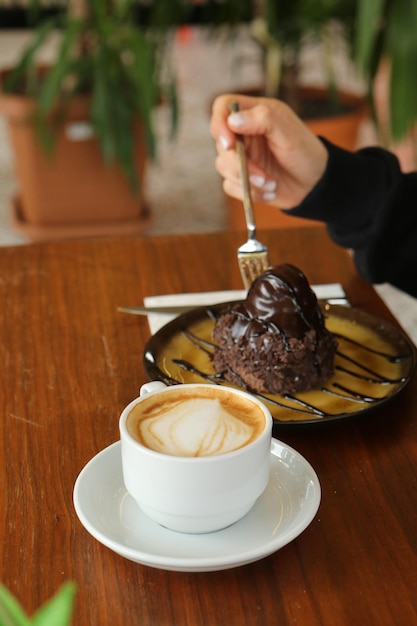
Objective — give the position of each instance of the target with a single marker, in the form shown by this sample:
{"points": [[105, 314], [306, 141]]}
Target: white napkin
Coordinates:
{"points": [[157, 320]]}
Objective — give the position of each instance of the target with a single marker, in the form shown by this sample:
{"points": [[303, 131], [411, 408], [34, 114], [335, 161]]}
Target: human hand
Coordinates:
{"points": [[285, 159]]}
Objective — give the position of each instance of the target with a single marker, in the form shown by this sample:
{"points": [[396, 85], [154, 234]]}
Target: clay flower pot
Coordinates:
{"points": [[72, 192]]}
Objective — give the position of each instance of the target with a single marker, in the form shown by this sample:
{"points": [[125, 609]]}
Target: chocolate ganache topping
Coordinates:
{"points": [[276, 340], [282, 299]]}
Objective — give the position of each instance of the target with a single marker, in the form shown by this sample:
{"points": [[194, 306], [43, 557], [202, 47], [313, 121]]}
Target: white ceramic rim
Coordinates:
{"points": [[267, 431]]}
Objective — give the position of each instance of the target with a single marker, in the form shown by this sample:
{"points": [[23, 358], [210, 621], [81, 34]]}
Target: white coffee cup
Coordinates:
{"points": [[175, 486]]}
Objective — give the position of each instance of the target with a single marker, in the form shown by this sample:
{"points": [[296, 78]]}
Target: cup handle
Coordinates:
{"points": [[155, 385]]}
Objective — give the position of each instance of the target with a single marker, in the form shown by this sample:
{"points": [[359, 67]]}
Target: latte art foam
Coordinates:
{"points": [[195, 425]]}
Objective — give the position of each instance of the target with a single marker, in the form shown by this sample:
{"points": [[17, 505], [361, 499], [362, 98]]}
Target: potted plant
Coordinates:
{"points": [[386, 52], [282, 30], [56, 612], [89, 114]]}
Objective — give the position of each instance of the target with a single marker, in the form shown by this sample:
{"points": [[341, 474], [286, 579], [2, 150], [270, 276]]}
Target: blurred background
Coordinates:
{"points": [[176, 57]]}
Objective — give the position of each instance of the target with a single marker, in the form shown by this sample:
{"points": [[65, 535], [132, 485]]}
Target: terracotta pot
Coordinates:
{"points": [[74, 185], [341, 129]]}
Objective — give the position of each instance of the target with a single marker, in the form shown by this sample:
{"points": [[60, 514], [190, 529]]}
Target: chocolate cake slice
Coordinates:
{"points": [[276, 340]]}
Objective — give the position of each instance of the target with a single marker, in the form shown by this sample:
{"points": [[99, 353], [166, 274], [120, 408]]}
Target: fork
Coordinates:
{"points": [[252, 255]]}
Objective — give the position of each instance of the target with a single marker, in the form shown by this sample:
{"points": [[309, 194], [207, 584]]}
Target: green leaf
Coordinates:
{"points": [[171, 96], [53, 83], [403, 97], [402, 50], [102, 97], [25, 67], [58, 610], [369, 21], [11, 613]]}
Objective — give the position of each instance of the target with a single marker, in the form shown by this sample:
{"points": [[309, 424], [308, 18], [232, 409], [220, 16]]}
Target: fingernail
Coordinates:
{"points": [[257, 180], [270, 195], [270, 185], [236, 119], [224, 142]]}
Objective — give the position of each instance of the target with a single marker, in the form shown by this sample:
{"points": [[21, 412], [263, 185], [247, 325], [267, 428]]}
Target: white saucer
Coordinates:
{"points": [[284, 510]]}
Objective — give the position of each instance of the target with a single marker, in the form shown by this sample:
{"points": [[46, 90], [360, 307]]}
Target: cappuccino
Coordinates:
{"points": [[175, 443], [189, 422]]}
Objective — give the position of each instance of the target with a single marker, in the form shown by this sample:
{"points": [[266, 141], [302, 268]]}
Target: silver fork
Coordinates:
{"points": [[252, 256]]}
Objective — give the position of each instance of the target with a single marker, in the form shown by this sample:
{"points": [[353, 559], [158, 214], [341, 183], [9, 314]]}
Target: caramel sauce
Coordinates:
{"points": [[374, 360]]}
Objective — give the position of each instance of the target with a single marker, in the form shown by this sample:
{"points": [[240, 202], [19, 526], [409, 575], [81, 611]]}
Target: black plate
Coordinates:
{"points": [[374, 361]]}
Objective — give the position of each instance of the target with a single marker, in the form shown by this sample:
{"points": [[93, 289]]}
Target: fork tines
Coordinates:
{"points": [[252, 263]]}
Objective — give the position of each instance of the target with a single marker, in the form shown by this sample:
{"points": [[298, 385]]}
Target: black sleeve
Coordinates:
{"points": [[369, 206]]}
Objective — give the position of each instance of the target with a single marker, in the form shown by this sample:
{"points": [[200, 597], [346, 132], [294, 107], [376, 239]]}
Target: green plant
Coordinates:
{"points": [[386, 30], [105, 53], [56, 612], [283, 27], [117, 52]]}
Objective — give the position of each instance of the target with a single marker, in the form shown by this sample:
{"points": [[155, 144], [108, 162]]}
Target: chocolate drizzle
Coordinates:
{"points": [[366, 373], [300, 405]]}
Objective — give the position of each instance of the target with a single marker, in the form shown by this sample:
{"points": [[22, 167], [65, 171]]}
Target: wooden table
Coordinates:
{"points": [[71, 362]]}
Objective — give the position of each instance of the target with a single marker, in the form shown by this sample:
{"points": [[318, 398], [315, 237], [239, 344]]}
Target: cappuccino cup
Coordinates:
{"points": [[195, 457]]}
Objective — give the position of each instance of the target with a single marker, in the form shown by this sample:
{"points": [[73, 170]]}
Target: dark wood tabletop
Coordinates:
{"points": [[71, 362]]}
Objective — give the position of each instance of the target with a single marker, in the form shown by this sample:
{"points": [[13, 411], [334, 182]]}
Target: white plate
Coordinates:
{"points": [[284, 510]]}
